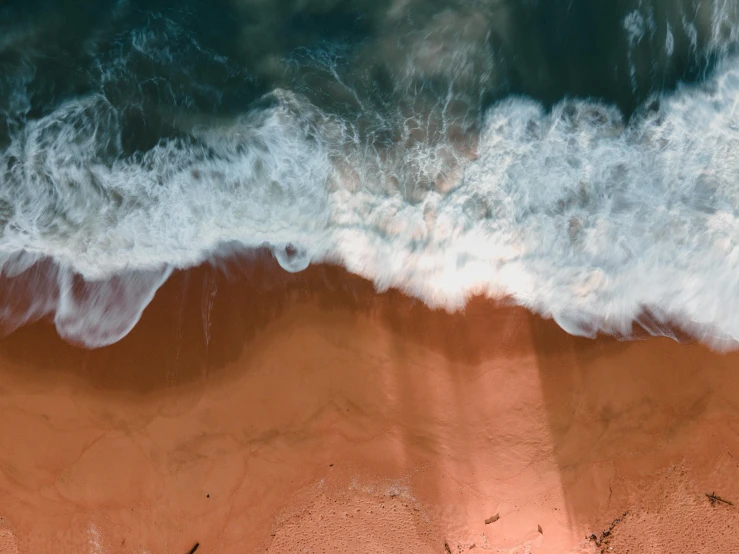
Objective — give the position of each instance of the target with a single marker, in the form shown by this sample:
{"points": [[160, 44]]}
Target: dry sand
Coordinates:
{"points": [[266, 412]]}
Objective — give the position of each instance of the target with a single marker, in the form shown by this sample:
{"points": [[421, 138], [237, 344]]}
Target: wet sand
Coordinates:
{"points": [[256, 411]]}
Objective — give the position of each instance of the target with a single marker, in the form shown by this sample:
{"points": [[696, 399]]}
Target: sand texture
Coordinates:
{"points": [[256, 411]]}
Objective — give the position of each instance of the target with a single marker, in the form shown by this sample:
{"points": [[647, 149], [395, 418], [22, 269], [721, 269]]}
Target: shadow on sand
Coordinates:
{"points": [[610, 406]]}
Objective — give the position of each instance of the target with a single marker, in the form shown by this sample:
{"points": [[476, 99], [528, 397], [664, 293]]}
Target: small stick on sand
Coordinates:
{"points": [[447, 549], [540, 529], [492, 519], [194, 548], [713, 499]]}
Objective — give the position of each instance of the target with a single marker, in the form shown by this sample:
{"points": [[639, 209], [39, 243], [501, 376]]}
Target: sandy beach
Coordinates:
{"points": [[252, 410]]}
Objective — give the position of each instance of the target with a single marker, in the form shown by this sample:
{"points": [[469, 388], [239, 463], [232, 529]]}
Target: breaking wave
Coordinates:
{"points": [[571, 209]]}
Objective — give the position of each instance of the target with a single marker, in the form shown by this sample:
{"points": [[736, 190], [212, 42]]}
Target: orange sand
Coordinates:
{"points": [[267, 412]]}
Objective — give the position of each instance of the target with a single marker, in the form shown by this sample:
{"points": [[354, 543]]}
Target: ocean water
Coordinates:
{"points": [[580, 157]]}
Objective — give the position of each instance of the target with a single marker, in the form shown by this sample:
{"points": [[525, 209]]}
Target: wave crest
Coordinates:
{"points": [[573, 212]]}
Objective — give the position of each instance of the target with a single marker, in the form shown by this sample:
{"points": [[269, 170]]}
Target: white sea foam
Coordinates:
{"points": [[68, 196], [573, 213], [579, 217]]}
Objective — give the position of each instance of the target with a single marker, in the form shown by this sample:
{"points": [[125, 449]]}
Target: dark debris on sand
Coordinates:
{"points": [[604, 539], [714, 499], [492, 519]]}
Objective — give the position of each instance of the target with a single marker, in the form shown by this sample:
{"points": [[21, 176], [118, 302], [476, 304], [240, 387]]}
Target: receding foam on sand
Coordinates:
{"points": [[253, 410]]}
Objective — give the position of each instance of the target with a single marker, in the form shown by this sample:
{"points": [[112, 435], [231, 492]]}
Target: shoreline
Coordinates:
{"points": [[267, 412]]}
